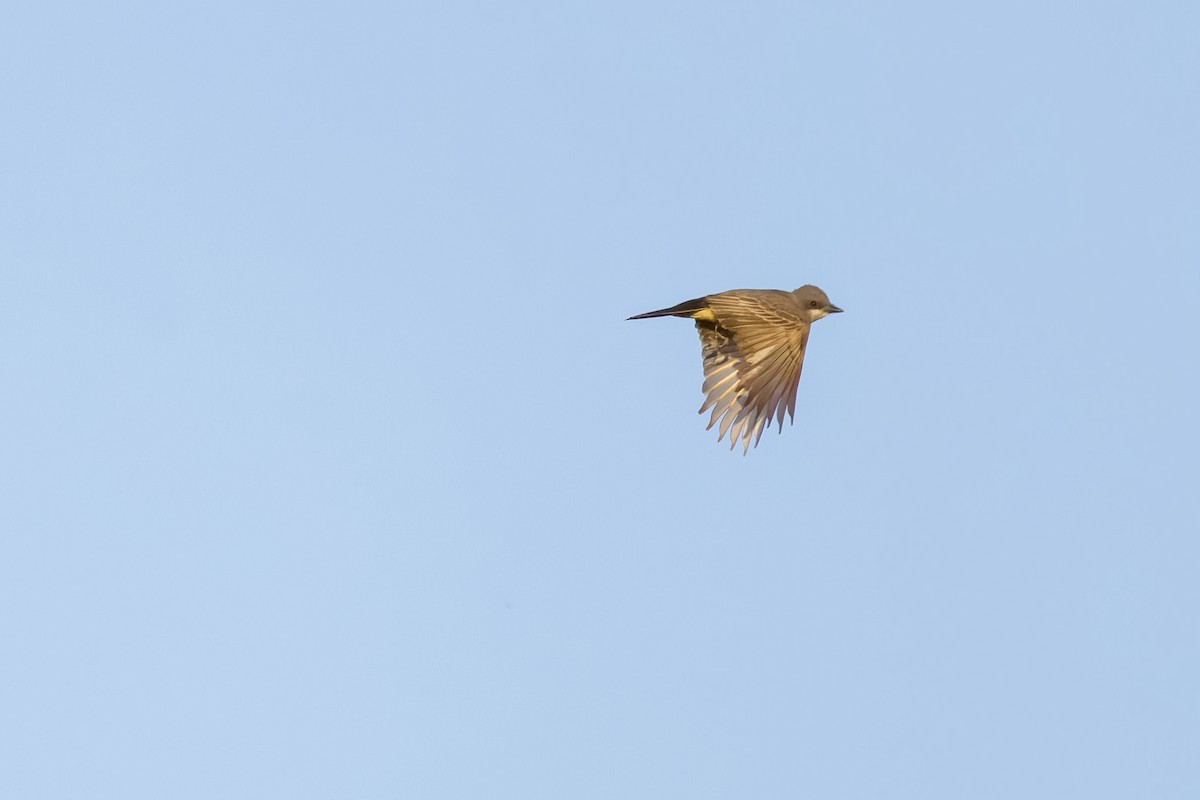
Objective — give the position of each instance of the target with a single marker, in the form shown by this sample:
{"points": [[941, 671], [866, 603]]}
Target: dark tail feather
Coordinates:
{"points": [[684, 309]]}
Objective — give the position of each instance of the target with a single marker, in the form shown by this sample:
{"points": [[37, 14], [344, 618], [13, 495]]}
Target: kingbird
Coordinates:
{"points": [[753, 344]]}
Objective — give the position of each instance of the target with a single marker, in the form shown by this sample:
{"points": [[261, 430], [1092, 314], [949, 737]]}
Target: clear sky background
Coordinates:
{"points": [[332, 468]]}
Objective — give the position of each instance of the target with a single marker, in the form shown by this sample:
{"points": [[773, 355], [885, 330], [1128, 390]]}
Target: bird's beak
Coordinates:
{"points": [[834, 310]]}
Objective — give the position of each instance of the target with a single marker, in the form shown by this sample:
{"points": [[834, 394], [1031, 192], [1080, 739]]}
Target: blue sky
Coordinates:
{"points": [[334, 470]]}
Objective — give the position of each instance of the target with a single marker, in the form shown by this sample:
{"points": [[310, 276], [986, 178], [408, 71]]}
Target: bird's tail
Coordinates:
{"points": [[688, 308]]}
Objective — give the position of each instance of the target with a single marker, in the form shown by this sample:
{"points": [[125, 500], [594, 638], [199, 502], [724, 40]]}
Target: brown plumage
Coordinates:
{"points": [[752, 341]]}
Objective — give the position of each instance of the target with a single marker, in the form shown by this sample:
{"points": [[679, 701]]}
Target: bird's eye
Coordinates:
{"points": [[812, 303]]}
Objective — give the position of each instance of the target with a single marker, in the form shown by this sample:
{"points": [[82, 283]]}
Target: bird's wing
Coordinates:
{"points": [[753, 352]]}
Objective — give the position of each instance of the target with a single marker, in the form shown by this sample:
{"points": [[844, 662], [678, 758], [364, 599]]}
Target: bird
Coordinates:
{"points": [[752, 342]]}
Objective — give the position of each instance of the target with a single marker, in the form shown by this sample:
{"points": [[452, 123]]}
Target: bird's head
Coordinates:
{"points": [[815, 302]]}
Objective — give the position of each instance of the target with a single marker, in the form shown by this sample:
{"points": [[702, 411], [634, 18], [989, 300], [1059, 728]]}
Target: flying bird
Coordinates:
{"points": [[752, 341]]}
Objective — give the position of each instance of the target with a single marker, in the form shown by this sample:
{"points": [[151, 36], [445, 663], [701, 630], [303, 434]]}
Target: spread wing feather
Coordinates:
{"points": [[753, 353]]}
